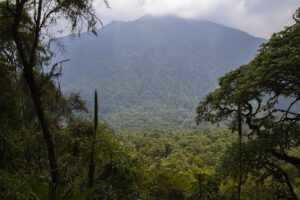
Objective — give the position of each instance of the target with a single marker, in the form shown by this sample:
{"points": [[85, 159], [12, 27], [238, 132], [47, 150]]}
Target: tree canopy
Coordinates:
{"points": [[268, 91], [49, 151]]}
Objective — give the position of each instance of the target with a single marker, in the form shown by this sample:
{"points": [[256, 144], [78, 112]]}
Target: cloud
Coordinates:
{"points": [[257, 17], [123, 10]]}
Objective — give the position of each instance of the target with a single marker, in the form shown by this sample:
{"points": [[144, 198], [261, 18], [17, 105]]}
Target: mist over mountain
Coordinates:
{"points": [[153, 71]]}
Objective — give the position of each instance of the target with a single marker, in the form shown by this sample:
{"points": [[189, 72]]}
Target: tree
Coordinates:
{"points": [[91, 173], [28, 24], [268, 91]]}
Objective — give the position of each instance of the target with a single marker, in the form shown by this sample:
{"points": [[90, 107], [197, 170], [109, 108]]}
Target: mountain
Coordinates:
{"points": [[153, 71]]}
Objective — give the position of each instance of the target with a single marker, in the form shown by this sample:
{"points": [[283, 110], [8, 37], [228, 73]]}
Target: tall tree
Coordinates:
{"points": [[43, 14], [92, 165], [268, 93], [239, 119]]}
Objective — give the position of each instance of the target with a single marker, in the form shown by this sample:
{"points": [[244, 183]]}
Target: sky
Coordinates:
{"points": [[258, 17]]}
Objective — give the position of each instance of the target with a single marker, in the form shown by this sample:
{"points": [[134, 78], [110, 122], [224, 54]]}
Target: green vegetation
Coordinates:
{"points": [[153, 71], [49, 151], [265, 93]]}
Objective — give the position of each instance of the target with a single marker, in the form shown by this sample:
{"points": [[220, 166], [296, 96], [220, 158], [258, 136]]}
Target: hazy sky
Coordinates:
{"points": [[257, 17]]}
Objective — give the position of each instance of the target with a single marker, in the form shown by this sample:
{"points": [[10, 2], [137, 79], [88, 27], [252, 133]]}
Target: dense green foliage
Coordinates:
{"points": [[152, 72], [267, 90], [133, 165], [49, 151]]}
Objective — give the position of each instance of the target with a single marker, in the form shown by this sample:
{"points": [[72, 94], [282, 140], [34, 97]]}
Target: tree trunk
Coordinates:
{"points": [[240, 151], [36, 97], [27, 58], [91, 172]]}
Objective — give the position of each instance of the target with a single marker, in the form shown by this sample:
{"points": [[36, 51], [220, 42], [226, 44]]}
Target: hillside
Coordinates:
{"points": [[152, 72]]}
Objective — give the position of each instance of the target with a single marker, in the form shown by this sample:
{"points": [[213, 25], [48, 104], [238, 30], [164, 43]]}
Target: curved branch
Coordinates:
{"points": [[290, 159]]}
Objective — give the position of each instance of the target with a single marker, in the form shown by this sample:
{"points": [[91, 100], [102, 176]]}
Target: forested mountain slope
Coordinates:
{"points": [[151, 72]]}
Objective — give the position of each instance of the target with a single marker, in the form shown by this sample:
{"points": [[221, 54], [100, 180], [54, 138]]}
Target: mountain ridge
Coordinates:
{"points": [[154, 70]]}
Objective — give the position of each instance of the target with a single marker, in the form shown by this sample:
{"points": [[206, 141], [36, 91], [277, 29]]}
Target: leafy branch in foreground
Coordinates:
{"points": [[268, 91], [28, 22]]}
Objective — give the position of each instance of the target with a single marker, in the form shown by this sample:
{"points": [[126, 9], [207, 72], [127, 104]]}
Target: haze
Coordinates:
{"points": [[257, 17]]}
